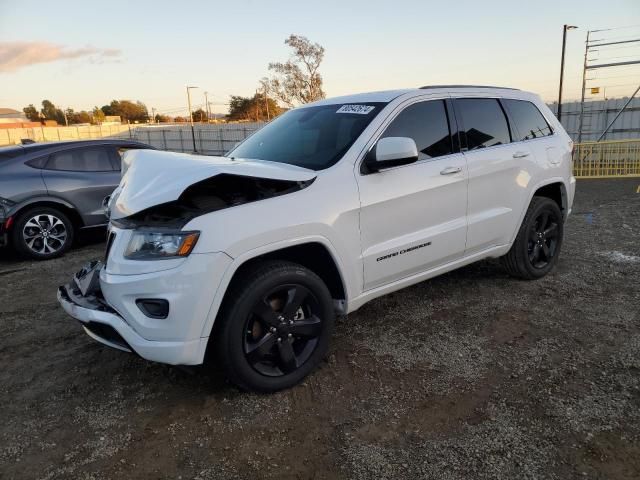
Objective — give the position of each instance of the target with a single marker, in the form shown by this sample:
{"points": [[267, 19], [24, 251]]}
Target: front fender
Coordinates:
{"points": [[244, 257]]}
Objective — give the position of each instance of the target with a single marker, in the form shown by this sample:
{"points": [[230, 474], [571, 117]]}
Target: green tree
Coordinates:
{"points": [[127, 110], [31, 113], [50, 112], [199, 115], [298, 79], [162, 118], [97, 116], [252, 108], [78, 117]]}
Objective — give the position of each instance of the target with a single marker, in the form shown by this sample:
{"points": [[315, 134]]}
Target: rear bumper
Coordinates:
{"points": [[103, 324]]}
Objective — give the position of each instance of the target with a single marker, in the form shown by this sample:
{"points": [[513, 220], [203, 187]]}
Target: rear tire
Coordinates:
{"points": [[42, 233], [537, 246], [274, 326]]}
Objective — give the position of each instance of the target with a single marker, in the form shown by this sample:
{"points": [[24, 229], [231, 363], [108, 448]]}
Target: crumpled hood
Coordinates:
{"points": [[152, 177]]}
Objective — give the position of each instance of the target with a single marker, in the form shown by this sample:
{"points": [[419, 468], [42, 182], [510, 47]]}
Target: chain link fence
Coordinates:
{"points": [[209, 139], [215, 139]]}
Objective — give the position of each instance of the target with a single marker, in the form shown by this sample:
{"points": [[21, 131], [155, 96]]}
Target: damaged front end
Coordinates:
{"points": [[158, 186], [209, 195], [151, 296]]}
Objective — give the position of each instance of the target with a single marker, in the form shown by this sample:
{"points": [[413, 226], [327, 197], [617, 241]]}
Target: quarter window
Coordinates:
{"points": [[81, 160], [485, 124], [528, 120], [427, 124]]}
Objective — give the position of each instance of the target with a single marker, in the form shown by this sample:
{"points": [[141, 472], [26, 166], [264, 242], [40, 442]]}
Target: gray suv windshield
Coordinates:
{"points": [[312, 137]]}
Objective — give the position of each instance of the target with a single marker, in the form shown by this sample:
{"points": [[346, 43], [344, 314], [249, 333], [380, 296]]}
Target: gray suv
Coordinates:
{"points": [[48, 191]]}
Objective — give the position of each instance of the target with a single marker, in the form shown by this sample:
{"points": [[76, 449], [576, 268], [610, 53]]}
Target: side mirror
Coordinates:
{"points": [[391, 152]]}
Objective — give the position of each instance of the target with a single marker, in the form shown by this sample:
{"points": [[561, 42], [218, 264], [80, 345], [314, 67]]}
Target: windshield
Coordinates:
{"points": [[312, 137]]}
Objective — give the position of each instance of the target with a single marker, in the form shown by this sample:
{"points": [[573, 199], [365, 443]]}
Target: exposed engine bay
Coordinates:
{"points": [[215, 193]]}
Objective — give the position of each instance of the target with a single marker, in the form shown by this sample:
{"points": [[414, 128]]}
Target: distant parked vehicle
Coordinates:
{"points": [[48, 191]]}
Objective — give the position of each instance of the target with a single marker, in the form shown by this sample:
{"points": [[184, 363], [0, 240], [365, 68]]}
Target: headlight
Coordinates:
{"points": [[157, 246]]}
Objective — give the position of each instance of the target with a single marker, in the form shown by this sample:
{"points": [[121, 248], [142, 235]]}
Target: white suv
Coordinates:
{"points": [[247, 258]]}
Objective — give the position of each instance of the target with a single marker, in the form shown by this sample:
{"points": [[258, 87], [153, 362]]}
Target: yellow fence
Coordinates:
{"points": [[614, 158]]}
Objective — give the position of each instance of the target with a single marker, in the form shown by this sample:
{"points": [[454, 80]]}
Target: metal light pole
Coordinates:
{"points": [[193, 132], [206, 104], [564, 44]]}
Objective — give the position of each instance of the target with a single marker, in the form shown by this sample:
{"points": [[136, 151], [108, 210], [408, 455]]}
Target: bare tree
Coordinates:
{"points": [[298, 80]]}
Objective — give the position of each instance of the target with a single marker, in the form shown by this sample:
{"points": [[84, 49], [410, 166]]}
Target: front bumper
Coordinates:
{"points": [[120, 336], [112, 317]]}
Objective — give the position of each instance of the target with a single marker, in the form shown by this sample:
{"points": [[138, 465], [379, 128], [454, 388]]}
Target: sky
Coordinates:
{"points": [[84, 53]]}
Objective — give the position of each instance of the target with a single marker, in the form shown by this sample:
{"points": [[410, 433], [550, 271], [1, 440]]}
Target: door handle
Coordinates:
{"points": [[520, 154], [451, 170]]}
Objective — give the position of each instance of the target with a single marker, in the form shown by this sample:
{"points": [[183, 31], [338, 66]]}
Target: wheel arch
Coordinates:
{"points": [[556, 191], [65, 207], [315, 253], [554, 188]]}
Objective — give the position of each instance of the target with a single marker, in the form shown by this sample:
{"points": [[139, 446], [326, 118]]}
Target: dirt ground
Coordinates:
{"points": [[471, 375]]}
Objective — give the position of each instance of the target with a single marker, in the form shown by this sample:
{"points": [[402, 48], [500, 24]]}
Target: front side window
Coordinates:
{"points": [[81, 160], [528, 120], [484, 122], [427, 124], [311, 137]]}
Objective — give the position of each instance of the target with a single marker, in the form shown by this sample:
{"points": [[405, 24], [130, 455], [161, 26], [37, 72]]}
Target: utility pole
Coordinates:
{"points": [[564, 44], [193, 132], [153, 115], [266, 101], [584, 82], [66, 120], [256, 97], [206, 105]]}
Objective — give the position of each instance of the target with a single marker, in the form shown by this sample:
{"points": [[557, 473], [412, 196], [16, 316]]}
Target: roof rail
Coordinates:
{"points": [[427, 87]]}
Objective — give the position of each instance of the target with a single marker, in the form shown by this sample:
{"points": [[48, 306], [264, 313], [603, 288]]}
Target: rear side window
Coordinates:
{"points": [[485, 124], [427, 124], [81, 160], [528, 120]]}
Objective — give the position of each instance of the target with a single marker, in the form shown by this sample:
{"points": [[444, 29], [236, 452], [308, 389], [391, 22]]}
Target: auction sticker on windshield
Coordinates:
{"points": [[359, 109]]}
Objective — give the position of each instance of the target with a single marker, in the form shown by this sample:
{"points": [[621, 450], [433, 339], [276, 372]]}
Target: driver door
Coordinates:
{"points": [[413, 217]]}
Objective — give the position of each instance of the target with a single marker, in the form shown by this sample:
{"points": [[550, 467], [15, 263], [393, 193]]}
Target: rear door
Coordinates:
{"points": [[83, 177], [413, 217], [498, 173]]}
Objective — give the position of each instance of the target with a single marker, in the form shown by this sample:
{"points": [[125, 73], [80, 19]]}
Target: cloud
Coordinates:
{"points": [[17, 55]]}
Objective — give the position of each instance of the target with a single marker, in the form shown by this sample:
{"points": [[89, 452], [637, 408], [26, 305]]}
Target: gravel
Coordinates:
{"points": [[472, 375]]}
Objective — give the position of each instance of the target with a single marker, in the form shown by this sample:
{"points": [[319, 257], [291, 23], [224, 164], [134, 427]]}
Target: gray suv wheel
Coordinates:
{"points": [[42, 233]]}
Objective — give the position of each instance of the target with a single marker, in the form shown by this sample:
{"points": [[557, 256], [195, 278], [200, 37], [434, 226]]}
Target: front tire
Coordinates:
{"points": [[274, 327], [537, 246], [42, 233]]}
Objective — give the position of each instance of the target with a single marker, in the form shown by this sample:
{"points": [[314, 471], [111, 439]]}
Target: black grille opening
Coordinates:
{"points": [[108, 333]]}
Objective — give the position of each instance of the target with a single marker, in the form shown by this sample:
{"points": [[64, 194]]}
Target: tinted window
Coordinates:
{"points": [[81, 160], [426, 123], [529, 121], [312, 137], [484, 122]]}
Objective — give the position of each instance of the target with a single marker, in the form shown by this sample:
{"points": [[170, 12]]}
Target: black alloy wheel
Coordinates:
{"points": [[282, 330], [536, 248], [543, 239], [274, 326]]}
